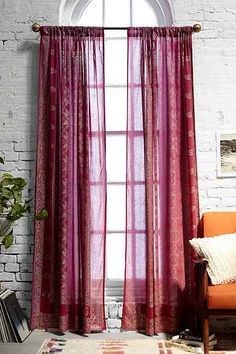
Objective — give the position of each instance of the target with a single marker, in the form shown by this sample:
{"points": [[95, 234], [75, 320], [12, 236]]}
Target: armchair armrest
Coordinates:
{"points": [[202, 275]]}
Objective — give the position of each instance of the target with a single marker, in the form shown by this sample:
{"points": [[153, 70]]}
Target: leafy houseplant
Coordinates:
{"points": [[13, 205]]}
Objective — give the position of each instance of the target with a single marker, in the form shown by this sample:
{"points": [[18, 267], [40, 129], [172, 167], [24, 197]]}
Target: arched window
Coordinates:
{"points": [[115, 13]]}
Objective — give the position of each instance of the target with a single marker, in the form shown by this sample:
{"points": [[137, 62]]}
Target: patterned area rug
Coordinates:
{"points": [[114, 346]]}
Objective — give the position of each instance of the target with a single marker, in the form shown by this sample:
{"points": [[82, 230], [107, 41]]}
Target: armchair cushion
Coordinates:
{"points": [[222, 296], [220, 253]]}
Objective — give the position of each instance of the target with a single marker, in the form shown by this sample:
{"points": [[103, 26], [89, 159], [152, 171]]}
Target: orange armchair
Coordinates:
{"points": [[217, 300]]}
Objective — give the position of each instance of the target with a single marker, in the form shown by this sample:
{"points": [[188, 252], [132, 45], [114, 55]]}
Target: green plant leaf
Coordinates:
{"points": [[17, 196], [16, 212], [6, 181], [27, 208], [20, 183], [41, 215], [8, 240], [3, 202], [6, 192], [13, 204], [8, 175]]}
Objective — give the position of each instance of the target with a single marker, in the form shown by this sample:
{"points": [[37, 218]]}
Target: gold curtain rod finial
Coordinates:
{"points": [[35, 27], [197, 28]]}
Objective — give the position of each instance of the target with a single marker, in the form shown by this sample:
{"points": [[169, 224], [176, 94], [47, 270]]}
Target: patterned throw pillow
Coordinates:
{"points": [[220, 252]]}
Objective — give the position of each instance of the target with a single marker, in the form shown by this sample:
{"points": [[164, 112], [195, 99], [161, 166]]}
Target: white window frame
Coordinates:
{"points": [[70, 11]]}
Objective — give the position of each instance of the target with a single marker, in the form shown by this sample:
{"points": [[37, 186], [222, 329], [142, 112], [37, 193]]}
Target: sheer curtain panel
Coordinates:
{"points": [[162, 194], [68, 278]]}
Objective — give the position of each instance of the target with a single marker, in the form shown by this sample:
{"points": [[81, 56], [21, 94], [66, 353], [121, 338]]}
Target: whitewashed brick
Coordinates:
{"points": [[24, 146], [23, 229], [16, 286], [210, 203], [7, 276], [229, 202], [113, 310], [24, 240], [24, 165], [24, 277], [120, 310], [5, 56], [106, 311], [1, 267], [113, 323], [11, 267], [219, 16], [23, 174], [227, 182], [5, 258], [26, 258], [205, 147], [8, 166], [5, 146], [26, 268], [11, 156], [16, 249], [221, 192], [10, 45], [29, 35], [6, 36], [26, 156]]}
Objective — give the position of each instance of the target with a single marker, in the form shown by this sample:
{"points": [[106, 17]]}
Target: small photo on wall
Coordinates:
{"points": [[226, 153]]}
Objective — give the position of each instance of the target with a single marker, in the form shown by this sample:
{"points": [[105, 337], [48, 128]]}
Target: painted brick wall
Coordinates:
{"points": [[215, 107]]}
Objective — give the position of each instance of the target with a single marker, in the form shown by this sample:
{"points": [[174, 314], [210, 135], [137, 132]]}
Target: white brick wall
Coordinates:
{"points": [[113, 315], [215, 107]]}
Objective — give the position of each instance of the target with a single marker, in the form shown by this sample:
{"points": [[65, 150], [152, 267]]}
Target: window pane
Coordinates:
{"points": [[115, 256], [117, 13], [139, 207], [97, 200], [116, 207], [140, 256], [116, 62], [144, 14], [92, 14], [116, 34], [135, 101], [116, 158], [116, 108], [138, 158], [96, 160]]}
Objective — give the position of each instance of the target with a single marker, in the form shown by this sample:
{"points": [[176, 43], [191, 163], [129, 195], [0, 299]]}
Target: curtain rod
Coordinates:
{"points": [[196, 28]]}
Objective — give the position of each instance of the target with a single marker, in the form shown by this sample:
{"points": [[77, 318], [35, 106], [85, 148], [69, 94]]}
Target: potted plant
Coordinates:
{"points": [[13, 205]]}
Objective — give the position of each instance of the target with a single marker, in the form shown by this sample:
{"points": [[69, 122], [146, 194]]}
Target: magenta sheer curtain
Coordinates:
{"points": [[68, 283], [162, 193]]}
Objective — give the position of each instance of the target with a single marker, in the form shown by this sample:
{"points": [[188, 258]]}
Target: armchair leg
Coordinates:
{"points": [[205, 326]]}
